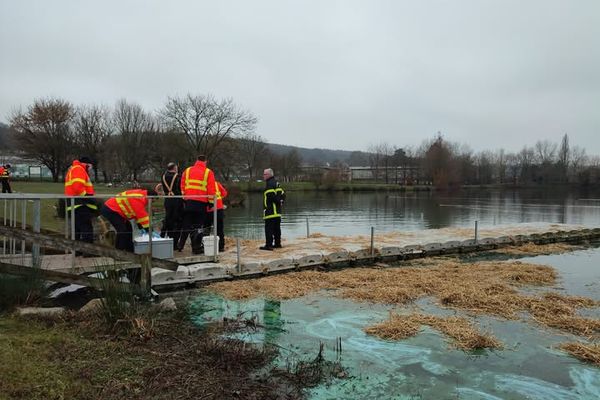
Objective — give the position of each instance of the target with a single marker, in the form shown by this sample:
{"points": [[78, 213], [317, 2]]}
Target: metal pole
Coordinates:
{"points": [[215, 244], [4, 237], [476, 223], [10, 223], [307, 229], [23, 226], [35, 249], [66, 204], [239, 261], [150, 225], [14, 246], [72, 200], [372, 241]]}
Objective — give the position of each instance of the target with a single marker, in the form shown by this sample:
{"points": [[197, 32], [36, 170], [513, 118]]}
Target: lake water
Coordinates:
{"points": [[422, 367], [346, 213]]}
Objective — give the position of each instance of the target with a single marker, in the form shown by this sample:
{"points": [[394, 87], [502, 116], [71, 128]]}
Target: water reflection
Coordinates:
{"points": [[348, 213]]}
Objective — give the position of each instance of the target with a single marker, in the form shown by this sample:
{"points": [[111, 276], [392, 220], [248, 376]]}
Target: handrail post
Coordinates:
{"points": [[35, 248], [239, 260], [215, 245], [72, 201]]}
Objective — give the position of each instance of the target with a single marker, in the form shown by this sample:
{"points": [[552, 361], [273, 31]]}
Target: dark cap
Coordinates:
{"points": [[85, 160]]}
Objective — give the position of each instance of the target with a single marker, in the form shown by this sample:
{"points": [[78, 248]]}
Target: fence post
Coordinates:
{"points": [[72, 201], [23, 226], [146, 274], [239, 261], [215, 245], [150, 225], [307, 229], [37, 224], [476, 223], [4, 237], [372, 241]]}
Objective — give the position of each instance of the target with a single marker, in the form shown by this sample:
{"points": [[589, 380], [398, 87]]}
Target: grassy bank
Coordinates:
{"points": [[78, 357]]}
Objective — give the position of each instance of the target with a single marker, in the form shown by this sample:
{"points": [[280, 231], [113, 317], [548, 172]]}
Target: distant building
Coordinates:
{"points": [[24, 168]]}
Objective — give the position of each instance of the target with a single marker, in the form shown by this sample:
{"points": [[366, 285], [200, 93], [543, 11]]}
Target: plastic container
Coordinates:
{"points": [[209, 245], [161, 247]]}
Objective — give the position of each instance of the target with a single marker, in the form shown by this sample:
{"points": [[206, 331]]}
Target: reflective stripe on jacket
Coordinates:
{"points": [[221, 193], [198, 181], [78, 184], [273, 197], [131, 204]]}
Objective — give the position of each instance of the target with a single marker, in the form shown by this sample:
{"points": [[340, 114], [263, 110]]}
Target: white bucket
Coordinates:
{"points": [[209, 245]]}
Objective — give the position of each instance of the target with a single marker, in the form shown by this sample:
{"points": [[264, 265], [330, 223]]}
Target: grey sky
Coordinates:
{"points": [[334, 74]]}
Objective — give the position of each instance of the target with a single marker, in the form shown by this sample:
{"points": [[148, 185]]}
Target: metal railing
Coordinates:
{"points": [[12, 202]]}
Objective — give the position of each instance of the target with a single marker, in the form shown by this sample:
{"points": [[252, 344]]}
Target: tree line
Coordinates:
{"points": [[128, 142], [449, 164]]}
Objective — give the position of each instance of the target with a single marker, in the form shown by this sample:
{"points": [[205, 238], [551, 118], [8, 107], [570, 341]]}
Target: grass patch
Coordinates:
{"points": [[79, 357], [18, 291]]}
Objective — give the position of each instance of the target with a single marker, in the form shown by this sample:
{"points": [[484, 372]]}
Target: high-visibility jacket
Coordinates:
{"points": [[221, 193], [78, 184], [273, 198], [131, 204], [198, 180], [4, 174]]}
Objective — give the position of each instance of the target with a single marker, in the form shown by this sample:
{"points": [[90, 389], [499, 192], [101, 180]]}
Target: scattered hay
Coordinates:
{"points": [[465, 336], [534, 249], [316, 235], [489, 288], [585, 352]]}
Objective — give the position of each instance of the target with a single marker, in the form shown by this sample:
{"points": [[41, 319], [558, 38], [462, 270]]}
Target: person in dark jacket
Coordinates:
{"points": [[273, 198], [171, 186]]}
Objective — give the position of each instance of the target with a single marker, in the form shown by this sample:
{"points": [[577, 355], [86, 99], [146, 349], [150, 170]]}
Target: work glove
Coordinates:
{"points": [[155, 235], [143, 232]]}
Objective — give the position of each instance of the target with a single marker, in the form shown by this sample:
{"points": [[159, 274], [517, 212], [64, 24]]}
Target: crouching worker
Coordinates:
{"points": [[126, 206], [119, 210]]}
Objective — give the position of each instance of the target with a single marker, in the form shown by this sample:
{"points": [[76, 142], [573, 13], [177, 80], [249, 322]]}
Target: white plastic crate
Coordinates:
{"points": [[161, 247]]}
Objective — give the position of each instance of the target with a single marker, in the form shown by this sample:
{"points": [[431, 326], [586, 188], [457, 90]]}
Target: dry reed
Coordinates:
{"points": [[490, 288], [465, 336], [584, 352], [534, 249]]}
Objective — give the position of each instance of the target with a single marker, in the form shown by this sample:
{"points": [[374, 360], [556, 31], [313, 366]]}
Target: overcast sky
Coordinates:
{"points": [[332, 74]]}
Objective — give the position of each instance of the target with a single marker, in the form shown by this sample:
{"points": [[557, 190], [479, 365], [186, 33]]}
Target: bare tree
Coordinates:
{"points": [[136, 130], [93, 128], [253, 149], [44, 132], [205, 121]]}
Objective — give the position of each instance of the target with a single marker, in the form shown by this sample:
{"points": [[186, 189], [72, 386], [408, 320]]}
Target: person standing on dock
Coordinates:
{"points": [[221, 193], [171, 186], [5, 178], [273, 198], [197, 187], [78, 184]]}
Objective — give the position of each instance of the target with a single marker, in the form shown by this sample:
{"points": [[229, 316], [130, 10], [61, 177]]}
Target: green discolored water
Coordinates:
{"points": [[529, 367]]}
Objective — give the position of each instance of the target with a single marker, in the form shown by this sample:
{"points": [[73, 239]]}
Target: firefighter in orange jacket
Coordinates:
{"points": [[126, 206], [5, 178], [78, 185], [197, 187], [221, 193]]}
